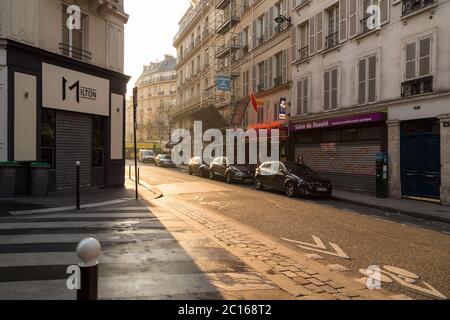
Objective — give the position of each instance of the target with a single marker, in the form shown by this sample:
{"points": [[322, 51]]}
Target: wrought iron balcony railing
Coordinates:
{"points": [[332, 40], [417, 86], [74, 52], [409, 6]]}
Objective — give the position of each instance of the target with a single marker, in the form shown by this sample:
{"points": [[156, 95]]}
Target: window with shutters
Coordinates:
{"points": [[418, 70], [330, 89], [245, 84], [365, 21], [303, 50], [332, 37], [75, 41], [303, 96], [260, 77], [260, 29], [367, 80], [261, 114], [278, 78]]}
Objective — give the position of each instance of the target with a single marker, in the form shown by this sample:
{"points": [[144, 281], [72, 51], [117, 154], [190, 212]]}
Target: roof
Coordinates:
{"points": [[167, 65]]}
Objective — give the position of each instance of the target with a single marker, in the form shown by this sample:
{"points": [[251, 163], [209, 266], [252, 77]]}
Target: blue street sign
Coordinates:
{"points": [[223, 83]]}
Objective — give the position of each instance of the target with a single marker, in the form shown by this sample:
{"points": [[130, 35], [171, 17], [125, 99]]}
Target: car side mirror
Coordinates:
{"points": [[282, 171]]}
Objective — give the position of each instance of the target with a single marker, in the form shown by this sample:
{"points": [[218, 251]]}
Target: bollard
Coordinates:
{"points": [[88, 250], [78, 163]]}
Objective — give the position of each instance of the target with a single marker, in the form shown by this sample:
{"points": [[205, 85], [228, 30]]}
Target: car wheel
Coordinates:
{"points": [[211, 175], [229, 178], [290, 190], [258, 183], [202, 173]]}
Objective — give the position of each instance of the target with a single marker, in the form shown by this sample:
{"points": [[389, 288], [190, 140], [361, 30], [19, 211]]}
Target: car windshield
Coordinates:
{"points": [[148, 153], [164, 157], [299, 168]]}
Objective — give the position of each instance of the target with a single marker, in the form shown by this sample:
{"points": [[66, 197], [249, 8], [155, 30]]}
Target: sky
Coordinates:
{"points": [[149, 33]]}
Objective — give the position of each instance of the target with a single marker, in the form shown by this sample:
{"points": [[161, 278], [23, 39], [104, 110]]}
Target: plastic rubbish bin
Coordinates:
{"points": [[39, 179], [8, 178]]}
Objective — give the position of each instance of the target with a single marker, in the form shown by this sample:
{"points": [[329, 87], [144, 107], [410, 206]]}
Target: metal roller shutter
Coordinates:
{"points": [[350, 166], [73, 143]]}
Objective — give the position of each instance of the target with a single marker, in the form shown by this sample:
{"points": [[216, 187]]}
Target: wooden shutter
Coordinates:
{"points": [[334, 88], [305, 95], [372, 79], [266, 25], [294, 44], [299, 97], [410, 71], [319, 31], [342, 20], [312, 36], [254, 35], [326, 90], [266, 74], [353, 18], [425, 57], [362, 81], [284, 71], [270, 64], [384, 11], [271, 23], [254, 79]]}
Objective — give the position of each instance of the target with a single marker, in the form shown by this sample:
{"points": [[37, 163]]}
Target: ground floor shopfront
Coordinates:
{"points": [[59, 111], [342, 148], [419, 149]]}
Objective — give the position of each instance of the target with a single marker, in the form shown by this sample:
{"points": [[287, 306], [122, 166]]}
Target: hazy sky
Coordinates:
{"points": [[149, 33]]}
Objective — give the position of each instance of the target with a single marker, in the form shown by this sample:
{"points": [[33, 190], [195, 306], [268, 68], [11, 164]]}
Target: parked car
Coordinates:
{"points": [[292, 178], [147, 156], [221, 166], [164, 160], [198, 166]]}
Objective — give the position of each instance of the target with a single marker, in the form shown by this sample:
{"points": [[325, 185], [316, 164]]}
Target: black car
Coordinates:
{"points": [[294, 179], [222, 167], [164, 160], [199, 167]]}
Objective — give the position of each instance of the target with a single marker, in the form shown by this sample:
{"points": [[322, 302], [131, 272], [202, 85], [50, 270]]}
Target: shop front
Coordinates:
{"points": [[343, 149], [62, 111]]}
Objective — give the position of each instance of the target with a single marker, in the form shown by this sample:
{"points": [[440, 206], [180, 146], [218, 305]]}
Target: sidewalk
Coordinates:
{"points": [[65, 200], [413, 208]]}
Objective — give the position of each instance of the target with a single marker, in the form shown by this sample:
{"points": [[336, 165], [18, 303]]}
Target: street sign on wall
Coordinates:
{"points": [[223, 83], [282, 110]]}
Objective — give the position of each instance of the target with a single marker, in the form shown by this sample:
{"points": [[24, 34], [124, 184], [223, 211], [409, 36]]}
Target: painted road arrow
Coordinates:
{"points": [[319, 246]]}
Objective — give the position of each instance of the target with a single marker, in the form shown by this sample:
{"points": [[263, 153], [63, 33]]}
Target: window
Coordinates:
{"points": [[98, 143], [245, 83], [302, 96], [303, 41], [48, 135], [331, 89], [418, 58], [367, 79], [364, 15], [261, 115], [261, 77], [75, 42], [332, 38], [278, 69]]}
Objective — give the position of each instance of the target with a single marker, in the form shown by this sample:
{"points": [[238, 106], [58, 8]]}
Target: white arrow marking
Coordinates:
{"points": [[319, 246]]}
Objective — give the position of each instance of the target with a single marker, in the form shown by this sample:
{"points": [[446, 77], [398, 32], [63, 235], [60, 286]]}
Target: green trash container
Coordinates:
{"points": [[39, 179], [8, 178]]}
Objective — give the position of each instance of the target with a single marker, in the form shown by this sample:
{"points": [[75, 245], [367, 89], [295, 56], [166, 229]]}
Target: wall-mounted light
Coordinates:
{"points": [[27, 95], [281, 19]]}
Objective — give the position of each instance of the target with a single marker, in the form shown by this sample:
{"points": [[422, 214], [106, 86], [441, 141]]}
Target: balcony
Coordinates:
{"points": [[74, 52], [332, 40], [260, 88], [278, 81], [227, 21], [280, 27], [410, 6], [222, 4], [228, 48], [417, 86], [303, 53]]}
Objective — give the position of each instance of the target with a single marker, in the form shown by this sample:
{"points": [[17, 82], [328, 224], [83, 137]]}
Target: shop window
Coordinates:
{"points": [[48, 136], [98, 143], [330, 136]]}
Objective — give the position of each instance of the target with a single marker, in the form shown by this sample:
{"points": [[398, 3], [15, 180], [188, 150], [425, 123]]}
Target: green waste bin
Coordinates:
{"points": [[39, 179], [382, 175], [8, 178]]}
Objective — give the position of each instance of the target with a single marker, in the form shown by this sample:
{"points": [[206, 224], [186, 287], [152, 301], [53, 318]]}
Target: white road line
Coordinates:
{"points": [[68, 208]]}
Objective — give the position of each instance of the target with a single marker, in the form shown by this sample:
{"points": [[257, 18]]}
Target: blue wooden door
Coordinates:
{"points": [[421, 158]]}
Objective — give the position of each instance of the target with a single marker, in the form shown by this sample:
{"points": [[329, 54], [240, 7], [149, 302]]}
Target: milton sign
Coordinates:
{"points": [[70, 90]]}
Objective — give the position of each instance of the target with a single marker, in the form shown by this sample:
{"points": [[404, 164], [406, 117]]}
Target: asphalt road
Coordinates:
{"points": [[368, 236]]}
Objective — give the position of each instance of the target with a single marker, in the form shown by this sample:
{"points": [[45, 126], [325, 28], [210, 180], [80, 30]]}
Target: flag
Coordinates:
{"points": [[254, 102]]}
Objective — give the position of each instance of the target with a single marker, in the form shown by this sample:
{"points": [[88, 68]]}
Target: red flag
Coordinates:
{"points": [[254, 102]]}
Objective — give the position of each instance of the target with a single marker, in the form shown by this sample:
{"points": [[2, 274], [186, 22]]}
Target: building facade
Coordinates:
{"points": [[359, 91], [156, 98], [62, 90]]}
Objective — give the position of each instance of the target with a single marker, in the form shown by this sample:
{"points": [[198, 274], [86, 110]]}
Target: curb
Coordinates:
{"points": [[401, 211]]}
